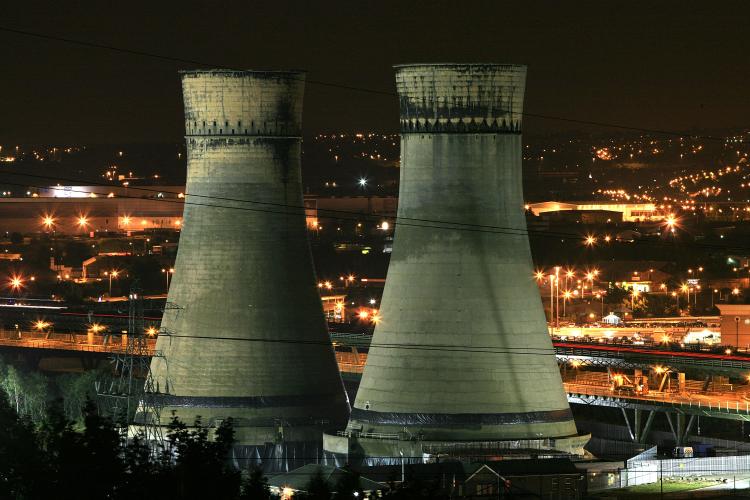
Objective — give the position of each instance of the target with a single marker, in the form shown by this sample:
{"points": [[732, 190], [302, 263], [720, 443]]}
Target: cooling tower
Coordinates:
{"points": [[243, 333], [461, 362]]}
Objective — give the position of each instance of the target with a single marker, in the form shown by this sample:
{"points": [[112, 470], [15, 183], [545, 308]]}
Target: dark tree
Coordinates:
{"points": [[22, 465], [348, 484], [202, 468], [317, 488], [255, 487]]}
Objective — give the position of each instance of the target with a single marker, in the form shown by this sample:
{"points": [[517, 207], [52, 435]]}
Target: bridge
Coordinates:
{"points": [[694, 358], [642, 381], [66, 352]]}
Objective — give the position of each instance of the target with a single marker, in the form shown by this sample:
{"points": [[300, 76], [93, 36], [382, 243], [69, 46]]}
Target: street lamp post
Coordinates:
{"points": [[557, 296], [687, 291], [167, 272], [552, 299], [112, 274]]}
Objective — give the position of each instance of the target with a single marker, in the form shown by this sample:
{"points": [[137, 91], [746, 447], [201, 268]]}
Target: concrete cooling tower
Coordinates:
{"points": [[461, 363], [243, 334]]}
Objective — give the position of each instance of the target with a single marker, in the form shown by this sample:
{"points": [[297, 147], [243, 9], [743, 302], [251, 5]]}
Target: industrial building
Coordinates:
{"points": [[460, 363], [243, 334], [631, 212], [109, 210]]}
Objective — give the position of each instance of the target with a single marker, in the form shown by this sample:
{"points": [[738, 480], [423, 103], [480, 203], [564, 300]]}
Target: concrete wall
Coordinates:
{"points": [[244, 277], [465, 288]]}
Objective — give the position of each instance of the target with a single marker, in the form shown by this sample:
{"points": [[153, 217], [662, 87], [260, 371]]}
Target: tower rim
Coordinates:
{"points": [[243, 72], [460, 64]]}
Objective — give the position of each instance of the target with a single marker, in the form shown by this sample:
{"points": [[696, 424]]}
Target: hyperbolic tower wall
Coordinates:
{"points": [[482, 367], [244, 277]]}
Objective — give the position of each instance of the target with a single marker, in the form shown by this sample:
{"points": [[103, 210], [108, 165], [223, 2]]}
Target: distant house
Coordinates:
{"points": [[289, 484], [518, 478]]}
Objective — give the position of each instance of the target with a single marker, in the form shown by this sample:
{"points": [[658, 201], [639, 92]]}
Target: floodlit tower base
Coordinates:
{"points": [[461, 363], [383, 449]]}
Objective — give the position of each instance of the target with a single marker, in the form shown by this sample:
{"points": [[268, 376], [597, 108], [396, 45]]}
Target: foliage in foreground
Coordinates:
{"points": [[53, 460]]}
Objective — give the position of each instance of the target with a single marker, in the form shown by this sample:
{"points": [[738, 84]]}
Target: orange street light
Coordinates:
{"points": [[96, 328], [590, 240], [41, 325], [16, 283], [48, 221]]}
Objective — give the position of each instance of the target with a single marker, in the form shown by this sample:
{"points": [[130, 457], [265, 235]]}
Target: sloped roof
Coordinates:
{"points": [[298, 479]]}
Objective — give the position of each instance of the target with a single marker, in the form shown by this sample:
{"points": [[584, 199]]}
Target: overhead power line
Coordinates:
{"points": [[399, 220], [535, 351], [196, 62]]}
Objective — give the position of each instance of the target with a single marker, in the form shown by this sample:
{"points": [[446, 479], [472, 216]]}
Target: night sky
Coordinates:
{"points": [[657, 64]]}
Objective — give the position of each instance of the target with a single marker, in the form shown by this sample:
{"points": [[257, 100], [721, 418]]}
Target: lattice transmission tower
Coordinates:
{"points": [[131, 396]]}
